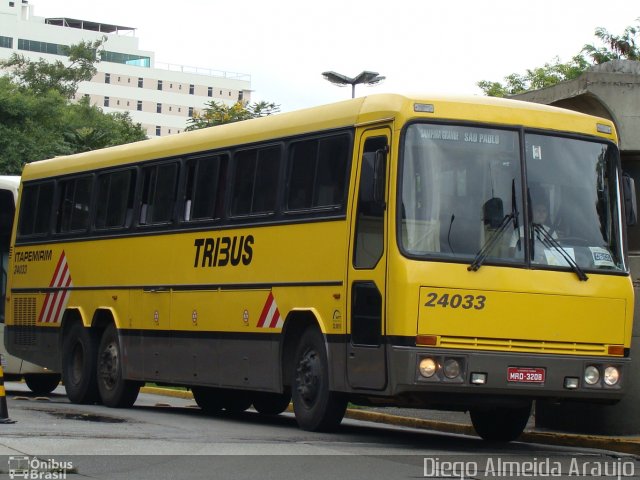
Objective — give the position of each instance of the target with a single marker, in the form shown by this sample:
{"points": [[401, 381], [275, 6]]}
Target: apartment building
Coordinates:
{"points": [[161, 97]]}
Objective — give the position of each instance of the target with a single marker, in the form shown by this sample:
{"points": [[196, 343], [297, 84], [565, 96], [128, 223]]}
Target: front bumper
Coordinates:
{"points": [[407, 380]]}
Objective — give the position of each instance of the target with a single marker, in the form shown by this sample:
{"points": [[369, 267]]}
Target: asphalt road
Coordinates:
{"points": [[162, 437]]}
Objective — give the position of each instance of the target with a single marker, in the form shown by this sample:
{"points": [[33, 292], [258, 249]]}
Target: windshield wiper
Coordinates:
{"points": [[548, 240], [483, 253]]}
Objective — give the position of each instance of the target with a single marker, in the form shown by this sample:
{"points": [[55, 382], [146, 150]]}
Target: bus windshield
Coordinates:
{"points": [[462, 193]]}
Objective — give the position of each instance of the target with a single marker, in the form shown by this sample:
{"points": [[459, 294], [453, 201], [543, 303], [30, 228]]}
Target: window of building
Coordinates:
{"points": [[170, 109], [117, 102], [73, 204], [115, 199], [210, 91], [158, 193], [119, 80], [255, 181], [139, 108], [158, 130], [106, 101], [240, 96], [125, 58], [6, 42], [42, 47], [12, 4], [190, 112], [159, 84], [192, 89], [140, 82], [158, 108]]}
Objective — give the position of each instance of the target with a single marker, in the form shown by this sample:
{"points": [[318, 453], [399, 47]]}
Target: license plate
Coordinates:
{"points": [[525, 375]]}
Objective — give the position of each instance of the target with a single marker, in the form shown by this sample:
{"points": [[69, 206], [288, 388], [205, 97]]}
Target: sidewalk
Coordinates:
{"points": [[460, 423]]}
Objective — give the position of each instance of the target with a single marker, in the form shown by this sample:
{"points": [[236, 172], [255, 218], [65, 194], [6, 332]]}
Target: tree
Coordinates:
{"points": [[217, 113], [615, 47], [38, 120], [41, 76]]}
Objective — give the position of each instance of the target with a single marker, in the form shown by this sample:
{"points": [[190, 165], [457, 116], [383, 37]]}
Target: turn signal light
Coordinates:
{"points": [[427, 340], [616, 350]]}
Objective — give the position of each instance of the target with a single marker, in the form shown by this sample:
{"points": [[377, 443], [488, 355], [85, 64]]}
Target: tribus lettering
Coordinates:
{"points": [[220, 252]]}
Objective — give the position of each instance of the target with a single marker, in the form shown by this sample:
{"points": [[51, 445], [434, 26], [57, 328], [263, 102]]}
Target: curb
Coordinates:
{"points": [[629, 445]]}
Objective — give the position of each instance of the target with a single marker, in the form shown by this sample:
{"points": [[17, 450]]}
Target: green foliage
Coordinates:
{"points": [[38, 119], [41, 76], [615, 47], [217, 113]]}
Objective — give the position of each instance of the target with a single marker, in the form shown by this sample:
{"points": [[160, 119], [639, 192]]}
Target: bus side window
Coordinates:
{"points": [[74, 203], [316, 175], [115, 199], [255, 181], [158, 193], [35, 209], [202, 196]]}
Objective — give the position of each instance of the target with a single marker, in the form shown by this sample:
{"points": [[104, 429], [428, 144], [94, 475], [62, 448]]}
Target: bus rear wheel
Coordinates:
{"points": [[208, 399], [79, 352], [42, 383], [114, 390], [268, 403], [500, 424], [316, 407]]}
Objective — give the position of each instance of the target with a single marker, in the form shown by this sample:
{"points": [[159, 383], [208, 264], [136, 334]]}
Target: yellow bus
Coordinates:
{"points": [[385, 250]]}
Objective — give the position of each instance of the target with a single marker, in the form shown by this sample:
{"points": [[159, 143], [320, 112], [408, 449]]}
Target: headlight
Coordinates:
{"points": [[591, 375], [451, 368], [428, 367], [611, 376]]}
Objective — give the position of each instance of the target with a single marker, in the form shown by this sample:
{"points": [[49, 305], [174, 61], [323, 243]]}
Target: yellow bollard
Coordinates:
{"points": [[4, 411]]}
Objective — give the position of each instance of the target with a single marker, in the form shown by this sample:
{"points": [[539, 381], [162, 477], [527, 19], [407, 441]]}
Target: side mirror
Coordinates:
{"points": [[630, 202], [493, 213]]}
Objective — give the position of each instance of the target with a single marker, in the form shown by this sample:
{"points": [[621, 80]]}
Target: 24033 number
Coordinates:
{"points": [[466, 302]]}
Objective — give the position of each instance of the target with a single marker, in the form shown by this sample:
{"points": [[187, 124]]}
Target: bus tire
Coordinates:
{"points": [[208, 399], [79, 354], [268, 403], [115, 391], [42, 383], [316, 407], [500, 424], [236, 401]]}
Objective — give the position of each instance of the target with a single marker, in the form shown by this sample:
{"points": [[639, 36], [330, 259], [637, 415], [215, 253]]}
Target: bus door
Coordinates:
{"points": [[366, 349]]}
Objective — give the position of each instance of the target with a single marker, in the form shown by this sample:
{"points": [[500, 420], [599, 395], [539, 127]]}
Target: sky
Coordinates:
{"points": [[420, 46]]}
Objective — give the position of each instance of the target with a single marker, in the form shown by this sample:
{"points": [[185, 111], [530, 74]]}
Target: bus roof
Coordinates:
{"points": [[369, 109]]}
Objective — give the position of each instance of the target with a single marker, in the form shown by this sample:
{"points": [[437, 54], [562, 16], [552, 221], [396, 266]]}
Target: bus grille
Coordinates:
{"points": [[24, 318], [531, 346]]}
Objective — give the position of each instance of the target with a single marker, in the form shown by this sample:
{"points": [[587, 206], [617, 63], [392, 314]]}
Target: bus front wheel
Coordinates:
{"points": [[114, 390], [79, 352], [500, 424], [316, 407]]}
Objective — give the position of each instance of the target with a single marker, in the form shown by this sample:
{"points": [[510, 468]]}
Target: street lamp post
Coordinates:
{"points": [[365, 77]]}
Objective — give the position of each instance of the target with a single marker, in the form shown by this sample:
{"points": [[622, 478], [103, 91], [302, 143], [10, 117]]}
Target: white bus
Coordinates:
{"points": [[40, 380]]}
